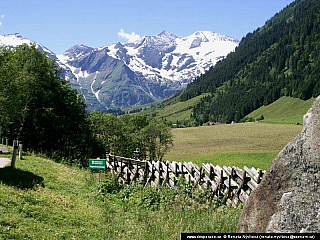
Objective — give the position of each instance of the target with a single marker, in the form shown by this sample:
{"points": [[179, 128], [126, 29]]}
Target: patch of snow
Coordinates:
{"points": [[78, 73], [97, 92], [113, 51]]}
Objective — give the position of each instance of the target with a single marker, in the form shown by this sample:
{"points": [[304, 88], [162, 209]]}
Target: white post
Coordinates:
{"points": [[20, 151]]}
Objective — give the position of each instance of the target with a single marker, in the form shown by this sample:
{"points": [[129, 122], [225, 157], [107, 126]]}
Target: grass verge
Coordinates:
{"points": [[42, 199]]}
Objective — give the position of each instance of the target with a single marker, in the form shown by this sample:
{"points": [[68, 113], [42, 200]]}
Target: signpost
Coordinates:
{"points": [[97, 164]]}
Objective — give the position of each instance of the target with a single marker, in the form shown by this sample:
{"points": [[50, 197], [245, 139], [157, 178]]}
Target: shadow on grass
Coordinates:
{"points": [[19, 178]]}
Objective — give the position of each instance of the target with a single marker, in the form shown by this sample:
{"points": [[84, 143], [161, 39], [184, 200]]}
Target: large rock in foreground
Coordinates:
{"points": [[288, 197]]}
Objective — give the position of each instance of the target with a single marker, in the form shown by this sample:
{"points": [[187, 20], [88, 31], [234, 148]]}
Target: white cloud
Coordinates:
{"points": [[130, 37], [1, 17]]}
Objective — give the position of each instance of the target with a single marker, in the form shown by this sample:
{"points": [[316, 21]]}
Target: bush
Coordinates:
{"points": [[110, 185]]}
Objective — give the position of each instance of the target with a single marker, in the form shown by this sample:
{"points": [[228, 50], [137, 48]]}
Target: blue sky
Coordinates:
{"points": [[60, 24]]}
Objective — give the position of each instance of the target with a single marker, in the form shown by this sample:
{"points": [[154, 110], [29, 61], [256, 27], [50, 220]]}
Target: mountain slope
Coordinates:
{"points": [[127, 75], [152, 68], [284, 110], [279, 59]]}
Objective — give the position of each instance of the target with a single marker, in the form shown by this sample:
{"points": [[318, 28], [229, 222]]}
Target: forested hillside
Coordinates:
{"points": [[279, 59]]}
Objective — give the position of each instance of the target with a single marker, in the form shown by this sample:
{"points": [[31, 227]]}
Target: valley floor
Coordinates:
{"points": [[252, 144]]}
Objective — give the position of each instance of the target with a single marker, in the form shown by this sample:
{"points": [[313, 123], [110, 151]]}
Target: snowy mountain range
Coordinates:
{"points": [[126, 75]]}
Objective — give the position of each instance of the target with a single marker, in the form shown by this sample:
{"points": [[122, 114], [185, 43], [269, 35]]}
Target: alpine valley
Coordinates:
{"points": [[141, 72]]}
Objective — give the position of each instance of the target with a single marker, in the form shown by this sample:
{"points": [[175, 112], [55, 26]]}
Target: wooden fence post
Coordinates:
{"points": [[241, 186], [259, 176], [146, 171], [20, 150], [136, 173], [167, 173], [175, 180], [227, 194], [128, 175], [220, 188], [160, 174], [211, 175], [14, 155]]}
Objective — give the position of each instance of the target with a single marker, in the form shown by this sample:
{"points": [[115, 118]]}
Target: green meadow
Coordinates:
{"points": [[251, 144], [285, 110]]}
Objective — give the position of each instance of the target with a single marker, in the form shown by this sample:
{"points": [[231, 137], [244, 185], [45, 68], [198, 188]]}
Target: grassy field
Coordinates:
{"points": [[48, 200], [284, 110], [173, 112], [179, 111], [250, 144]]}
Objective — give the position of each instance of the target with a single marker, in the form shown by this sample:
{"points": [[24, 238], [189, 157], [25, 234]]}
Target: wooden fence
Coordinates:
{"points": [[232, 184]]}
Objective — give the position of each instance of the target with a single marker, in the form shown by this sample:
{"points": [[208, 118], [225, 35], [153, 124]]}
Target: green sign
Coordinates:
{"points": [[97, 164]]}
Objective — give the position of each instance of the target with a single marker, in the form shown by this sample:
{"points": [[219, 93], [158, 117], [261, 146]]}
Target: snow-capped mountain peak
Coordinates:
{"points": [[124, 75], [167, 35], [77, 51], [13, 40], [15, 35], [166, 56]]}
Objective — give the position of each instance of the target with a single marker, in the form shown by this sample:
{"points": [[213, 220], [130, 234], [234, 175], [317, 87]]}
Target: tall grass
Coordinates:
{"points": [[47, 200]]}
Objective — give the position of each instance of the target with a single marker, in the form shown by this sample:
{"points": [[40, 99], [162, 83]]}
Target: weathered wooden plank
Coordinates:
{"points": [[135, 174], [239, 172], [118, 158], [217, 170], [195, 166], [249, 171], [189, 169], [227, 169], [233, 183], [206, 167], [230, 183], [243, 197], [171, 167], [213, 184], [260, 175], [252, 185]]}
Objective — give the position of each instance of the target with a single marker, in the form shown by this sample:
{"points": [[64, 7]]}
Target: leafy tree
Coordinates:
{"points": [[157, 139], [39, 107], [122, 135]]}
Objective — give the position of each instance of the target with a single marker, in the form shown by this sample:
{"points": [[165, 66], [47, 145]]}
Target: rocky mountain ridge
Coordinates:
{"points": [[126, 75]]}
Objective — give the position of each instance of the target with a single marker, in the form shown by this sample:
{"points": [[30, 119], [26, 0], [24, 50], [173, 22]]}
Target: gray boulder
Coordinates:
{"points": [[288, 198]]}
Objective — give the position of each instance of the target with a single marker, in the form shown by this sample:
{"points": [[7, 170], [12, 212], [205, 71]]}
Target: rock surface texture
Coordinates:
{"points": [[288, 197]]}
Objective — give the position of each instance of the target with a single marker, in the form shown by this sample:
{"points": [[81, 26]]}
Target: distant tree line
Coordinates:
{"points": [[280, 59], [40, 109], [122, 135]]}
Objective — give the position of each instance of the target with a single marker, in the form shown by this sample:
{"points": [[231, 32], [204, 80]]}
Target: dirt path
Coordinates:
{"points": [[4, 161], [3, 149]]}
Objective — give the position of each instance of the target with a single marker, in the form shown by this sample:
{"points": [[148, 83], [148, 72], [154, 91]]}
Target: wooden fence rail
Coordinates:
{"points": [[232, 184]]}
